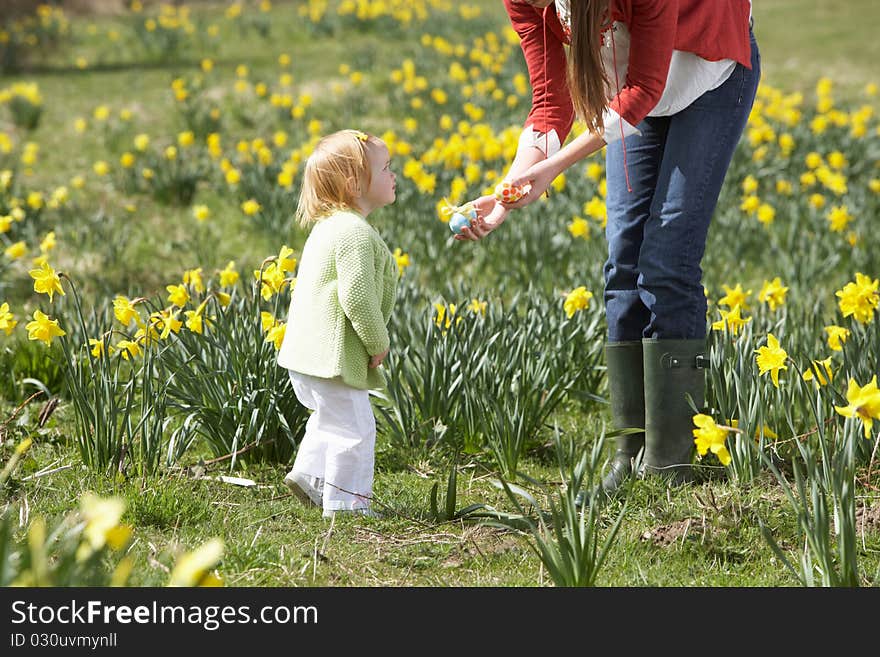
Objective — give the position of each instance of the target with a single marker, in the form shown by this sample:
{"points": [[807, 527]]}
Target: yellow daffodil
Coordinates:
{"points": [[97, 347], [35, 200], [864, 403], [125, 312], [860, 298], [46, 281], [102, 517], [16, 250], [771, 358], [273, 280], [731, 320], [594, 171], [166, 322], [43, 328], [128, 349], [193, 277], [251, 207], [285, 261], [178, 295], [7, 320], [194, 320], [766, 213], [823, 369], [48, 242], [402, 260], [708, 436], [773, 293], [734, 296], [445, 315], [749, 184], [839, 218], [194, 568], [577, 299], [784, 187], [579, 228], [477, 307], [750, 204], [267, 320], [813, 160], [837, 335], [229, 276], [201, 212], [275, 335]]}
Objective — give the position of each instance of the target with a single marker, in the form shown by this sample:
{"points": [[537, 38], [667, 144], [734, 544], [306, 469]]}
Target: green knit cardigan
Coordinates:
{"points": [[340, 306]]}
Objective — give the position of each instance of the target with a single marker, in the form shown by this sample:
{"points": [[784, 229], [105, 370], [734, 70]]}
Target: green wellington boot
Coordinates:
{"points": [[674, 369], [626, 387]]}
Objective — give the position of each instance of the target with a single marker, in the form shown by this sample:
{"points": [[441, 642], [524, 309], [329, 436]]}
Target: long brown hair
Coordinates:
{"points": [[587, 79]]}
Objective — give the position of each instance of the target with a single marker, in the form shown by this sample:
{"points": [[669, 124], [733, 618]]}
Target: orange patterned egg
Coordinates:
{"points": [[508, 193]]}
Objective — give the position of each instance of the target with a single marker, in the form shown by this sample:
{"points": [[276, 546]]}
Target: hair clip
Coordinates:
{"points": [[360, 135]]}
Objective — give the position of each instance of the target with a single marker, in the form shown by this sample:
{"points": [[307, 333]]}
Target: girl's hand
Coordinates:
{"points": [[376, 360], [539, 176], [490, 214]]}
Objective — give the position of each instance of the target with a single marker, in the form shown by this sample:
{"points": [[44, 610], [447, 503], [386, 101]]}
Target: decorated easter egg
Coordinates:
{"points": [[459, 221], [509, 193]]}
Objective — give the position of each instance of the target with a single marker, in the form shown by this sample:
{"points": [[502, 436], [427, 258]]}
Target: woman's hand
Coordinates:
{"points": [[539, 176], [376, 360], [490, 214]]}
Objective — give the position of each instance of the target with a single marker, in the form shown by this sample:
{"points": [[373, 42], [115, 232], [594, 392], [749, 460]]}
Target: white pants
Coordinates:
{"points": [[340, 440]]}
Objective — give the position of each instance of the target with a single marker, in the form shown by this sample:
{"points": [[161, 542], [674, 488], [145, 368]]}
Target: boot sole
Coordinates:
{"points": [[299, 493]]}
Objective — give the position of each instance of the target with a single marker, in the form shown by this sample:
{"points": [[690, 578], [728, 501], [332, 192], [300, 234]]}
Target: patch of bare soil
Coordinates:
{"points": [[666, 535], [868, 519]]}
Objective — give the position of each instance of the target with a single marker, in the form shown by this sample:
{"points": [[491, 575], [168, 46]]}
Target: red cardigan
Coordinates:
{"points": [[712, 29]]}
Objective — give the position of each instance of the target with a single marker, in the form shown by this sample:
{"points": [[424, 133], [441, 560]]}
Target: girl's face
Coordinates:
{"points": [[382, 179]]}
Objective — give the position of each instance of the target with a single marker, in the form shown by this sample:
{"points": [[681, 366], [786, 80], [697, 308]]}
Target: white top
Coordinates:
{"points": [[690, 76]]}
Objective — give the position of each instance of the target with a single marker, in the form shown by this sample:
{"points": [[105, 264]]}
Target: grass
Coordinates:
{"points": [[702, 535], [698, 535], [803, 40]]}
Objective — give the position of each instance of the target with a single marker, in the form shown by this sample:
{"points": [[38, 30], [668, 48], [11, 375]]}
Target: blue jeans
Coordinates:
{"points": [[657, 233]]}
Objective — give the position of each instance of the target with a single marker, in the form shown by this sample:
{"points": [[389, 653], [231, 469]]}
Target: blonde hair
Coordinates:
{"points": [[334, 172]]}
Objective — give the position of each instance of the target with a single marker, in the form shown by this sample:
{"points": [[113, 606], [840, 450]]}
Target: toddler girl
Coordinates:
{"points": [[336, 333]]}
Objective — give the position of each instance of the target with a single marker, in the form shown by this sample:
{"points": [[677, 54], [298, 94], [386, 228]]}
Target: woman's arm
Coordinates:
{"points": [[551, 102], [546, 62], [652, 31], [541, 174], [491, 213]]}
